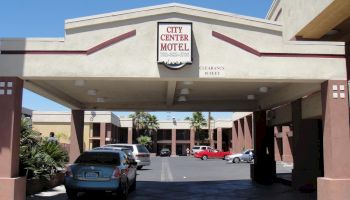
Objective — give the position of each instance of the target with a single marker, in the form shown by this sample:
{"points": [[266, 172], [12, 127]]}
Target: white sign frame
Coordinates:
{"points": [[177, 64]]}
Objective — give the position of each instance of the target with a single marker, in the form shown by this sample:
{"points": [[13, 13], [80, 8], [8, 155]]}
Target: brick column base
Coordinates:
{"points": [[329, 189], [287, 158]]}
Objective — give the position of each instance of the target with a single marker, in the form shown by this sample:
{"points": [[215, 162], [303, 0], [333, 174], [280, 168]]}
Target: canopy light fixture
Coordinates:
{"points": [[263, 89], [92, 92], [188, 83], [185, 91], [182, 99], [79, 83], [100, 100], [251, 97], [333, 32]]}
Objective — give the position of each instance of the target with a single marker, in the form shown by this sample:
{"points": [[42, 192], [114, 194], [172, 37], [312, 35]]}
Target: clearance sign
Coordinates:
{"points": [[174, 44]]}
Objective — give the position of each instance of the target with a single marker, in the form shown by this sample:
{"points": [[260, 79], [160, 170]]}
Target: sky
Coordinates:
{"points": [[45, 18]]}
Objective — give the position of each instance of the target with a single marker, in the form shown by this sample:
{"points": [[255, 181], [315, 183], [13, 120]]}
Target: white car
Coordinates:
{"points": [[246, 156], [141, 154], [199, 148]]}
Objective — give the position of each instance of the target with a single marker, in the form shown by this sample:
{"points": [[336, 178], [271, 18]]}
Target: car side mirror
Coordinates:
{"points": [[132, 162]]}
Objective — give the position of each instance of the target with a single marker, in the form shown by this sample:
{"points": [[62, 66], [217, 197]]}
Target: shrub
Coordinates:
{"points": [[39, 158]]}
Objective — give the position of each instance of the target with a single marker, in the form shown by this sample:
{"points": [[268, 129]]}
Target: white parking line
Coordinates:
{"points": [[162, 174], [166, 174], [170, 175]]}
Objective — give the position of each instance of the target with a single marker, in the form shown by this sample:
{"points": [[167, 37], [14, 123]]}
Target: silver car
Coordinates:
{"points": [[101, 170], [141, 154], [245, 156], [126, 150]]}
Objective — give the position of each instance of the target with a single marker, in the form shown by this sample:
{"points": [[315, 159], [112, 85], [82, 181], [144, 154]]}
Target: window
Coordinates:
{"points": [[142, 149], [105, 158]]}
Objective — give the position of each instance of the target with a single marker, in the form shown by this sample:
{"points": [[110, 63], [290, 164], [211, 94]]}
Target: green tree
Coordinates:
{"points": [[152, 124], [197, 123], [145, 140], [139, 120], [145, 122]]}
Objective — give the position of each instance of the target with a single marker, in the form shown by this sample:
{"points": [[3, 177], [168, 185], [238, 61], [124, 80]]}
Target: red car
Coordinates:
{"points": [[211, 153]]}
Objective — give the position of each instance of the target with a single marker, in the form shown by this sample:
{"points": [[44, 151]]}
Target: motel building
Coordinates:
{"points": [[289, 70], [101, 127]]}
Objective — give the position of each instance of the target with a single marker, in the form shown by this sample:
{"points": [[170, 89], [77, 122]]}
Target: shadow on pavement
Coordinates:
{"points": [[233, 189]]}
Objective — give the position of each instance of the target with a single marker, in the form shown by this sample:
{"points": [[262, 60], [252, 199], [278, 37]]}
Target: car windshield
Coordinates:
{"points": [[142, 149], [128, 152], [195, 148], [103, 158]]}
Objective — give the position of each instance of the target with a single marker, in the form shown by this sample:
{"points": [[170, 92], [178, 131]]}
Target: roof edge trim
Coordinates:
{"points": [[69, 22], [269, 54]]}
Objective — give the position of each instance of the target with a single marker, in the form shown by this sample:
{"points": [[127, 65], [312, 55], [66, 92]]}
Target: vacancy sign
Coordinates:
{"points": [[174, 44]]}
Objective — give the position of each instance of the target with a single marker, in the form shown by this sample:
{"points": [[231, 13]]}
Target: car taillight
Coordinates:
{"points": [[116, 173], [69, 172]]}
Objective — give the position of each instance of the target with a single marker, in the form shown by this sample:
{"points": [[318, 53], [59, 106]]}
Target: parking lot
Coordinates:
{"points": [[191, 178]]}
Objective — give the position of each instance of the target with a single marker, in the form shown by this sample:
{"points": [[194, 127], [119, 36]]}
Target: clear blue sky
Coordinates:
{"points": [[45, 18]]}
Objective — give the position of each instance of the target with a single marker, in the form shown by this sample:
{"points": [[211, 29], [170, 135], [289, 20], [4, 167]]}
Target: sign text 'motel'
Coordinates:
{"points": [[174, 44]]}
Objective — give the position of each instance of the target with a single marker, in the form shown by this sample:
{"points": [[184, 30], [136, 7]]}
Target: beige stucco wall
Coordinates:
{"points": [[89, 116], [63, 129], [298, 13], [118, 60], [311, 108], [221, 123]]}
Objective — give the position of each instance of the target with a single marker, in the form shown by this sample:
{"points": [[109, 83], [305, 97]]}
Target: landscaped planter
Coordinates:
{"points": [[37, 185]]}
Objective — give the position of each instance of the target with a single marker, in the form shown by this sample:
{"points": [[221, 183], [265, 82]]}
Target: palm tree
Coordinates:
{"points": [[197, 122], [145, 121], [152, 124], [139, 120]]}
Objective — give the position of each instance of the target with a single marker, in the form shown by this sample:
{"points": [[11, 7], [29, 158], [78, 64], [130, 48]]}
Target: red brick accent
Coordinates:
{"points": [[268, 54], [173, 142], [192, 138], [248, 132], [102, 134], [287, 146], [130, 135], [10, 120], [77, 135], [219, 138], [235, 143], [336, 137], [240, 135]]}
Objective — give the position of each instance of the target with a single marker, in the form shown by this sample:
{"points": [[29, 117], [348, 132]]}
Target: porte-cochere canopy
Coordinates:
{"points": [[109, 62]]}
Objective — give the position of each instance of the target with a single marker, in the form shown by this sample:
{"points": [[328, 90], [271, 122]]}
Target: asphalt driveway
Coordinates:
{"points": [[191, 178]]}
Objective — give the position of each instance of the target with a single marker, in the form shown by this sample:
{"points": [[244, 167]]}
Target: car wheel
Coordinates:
{"points": [[204, 157], [139, 167], [133, 186], [123, 192], [72, 194], [236, 160]]}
